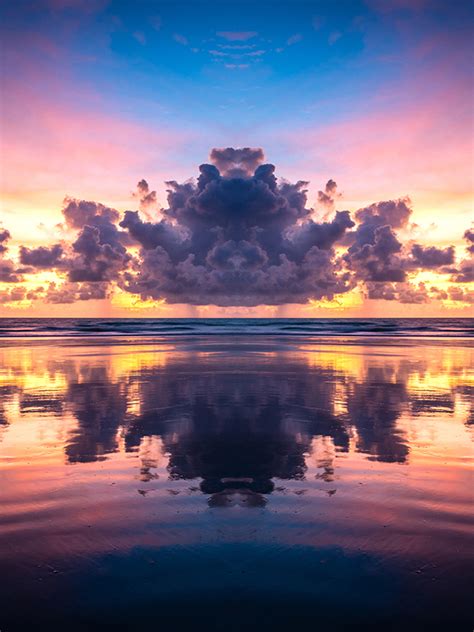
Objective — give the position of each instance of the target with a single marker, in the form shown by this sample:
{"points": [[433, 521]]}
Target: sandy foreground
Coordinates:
{"points": [[236, 483]]}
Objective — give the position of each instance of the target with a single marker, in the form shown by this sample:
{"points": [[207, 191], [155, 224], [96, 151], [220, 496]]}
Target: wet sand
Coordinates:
{"points": [[236, 483]]}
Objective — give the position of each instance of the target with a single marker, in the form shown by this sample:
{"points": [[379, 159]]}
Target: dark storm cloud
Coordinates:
{"points": [[97, 256], [78, 213], [99, 253], [41, 257], [469, 237], [72, 292], [391, 213], [375, 253], [240, 238], [381, 262], [400, 292], [322, 235], [151, 235], [4, 237], [432, 257], [394, 213], [379, 259], [8, 270], [96, 260], [464, 272]]}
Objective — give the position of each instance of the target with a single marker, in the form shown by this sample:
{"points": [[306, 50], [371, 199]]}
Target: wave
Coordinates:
{"points": [[90, 327]]}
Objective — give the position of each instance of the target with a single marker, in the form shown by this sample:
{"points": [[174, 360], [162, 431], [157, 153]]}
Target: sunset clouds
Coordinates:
{"points": [[236, 239], [237, 236]]}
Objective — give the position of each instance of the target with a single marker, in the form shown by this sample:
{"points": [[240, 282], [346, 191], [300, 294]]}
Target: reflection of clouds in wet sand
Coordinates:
{"points": [[119, 459], [237, 421]]}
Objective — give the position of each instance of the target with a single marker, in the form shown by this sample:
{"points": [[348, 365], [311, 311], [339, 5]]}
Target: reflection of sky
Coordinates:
{"points": [[115, 459]]}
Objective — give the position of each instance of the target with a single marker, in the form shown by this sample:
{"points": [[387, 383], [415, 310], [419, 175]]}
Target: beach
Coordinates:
{"points": [[235, 481]]}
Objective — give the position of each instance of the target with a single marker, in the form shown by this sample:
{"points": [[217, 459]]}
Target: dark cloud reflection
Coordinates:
{"points": [[235, 422]]}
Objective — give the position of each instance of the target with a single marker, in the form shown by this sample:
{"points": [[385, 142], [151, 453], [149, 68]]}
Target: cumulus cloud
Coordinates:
{"points": [[375, 253], [4, 237], [238, 236], [469, 237], [42, 257], [393, 213], [237, 162], [13, 294], [99, 252], [400, 292], [328, 197], [382, 263], [8, 270], [432, 257], [461, 294], [145, 195], [181, 39], [72, 292], [95, 259], [464, 272], [78, 213], [377, 259]]}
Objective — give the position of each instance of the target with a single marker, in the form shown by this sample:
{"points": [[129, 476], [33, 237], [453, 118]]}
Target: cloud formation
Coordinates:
{"points": [[327, 198], [42, 257], [147, 198], [237, 162], [238, 236], [99, 252], [4, 237], [432, 257], [237, 36], [464, 273], [469, 237], [8, 271]]}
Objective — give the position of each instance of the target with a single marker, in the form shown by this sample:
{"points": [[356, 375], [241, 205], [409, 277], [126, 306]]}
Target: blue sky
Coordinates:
{"points": [[184, 64]]}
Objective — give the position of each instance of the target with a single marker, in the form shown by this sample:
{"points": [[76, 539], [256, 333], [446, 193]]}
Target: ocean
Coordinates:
{"points": [[399, 327]]}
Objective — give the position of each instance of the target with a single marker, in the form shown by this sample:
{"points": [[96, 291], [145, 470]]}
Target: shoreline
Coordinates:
{"points": [[269, 340]]}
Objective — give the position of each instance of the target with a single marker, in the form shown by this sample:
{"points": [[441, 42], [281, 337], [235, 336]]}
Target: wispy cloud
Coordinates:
{"points": [[237, 36], [294, 39], [140, 37], [181, 39]]}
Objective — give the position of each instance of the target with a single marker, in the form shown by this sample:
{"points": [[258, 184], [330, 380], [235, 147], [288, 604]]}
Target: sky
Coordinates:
{"points": [[364, 107]]}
